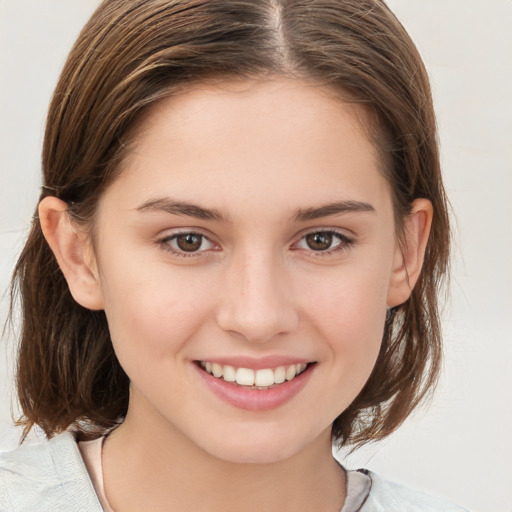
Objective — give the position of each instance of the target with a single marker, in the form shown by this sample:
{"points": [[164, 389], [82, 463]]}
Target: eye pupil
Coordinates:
{"points": [[189, 242], [319, 241]]}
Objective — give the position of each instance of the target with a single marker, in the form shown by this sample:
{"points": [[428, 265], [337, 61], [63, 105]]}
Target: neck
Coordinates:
{"points": [[151, 468]]}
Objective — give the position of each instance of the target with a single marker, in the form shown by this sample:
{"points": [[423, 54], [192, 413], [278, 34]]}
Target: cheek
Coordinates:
{"points": [[349, 312], [152, 310]]}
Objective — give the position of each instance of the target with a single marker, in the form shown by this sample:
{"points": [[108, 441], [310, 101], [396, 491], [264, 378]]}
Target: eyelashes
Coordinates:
{"points": [[189, 243], [186, 244], [318, 243], [324, 242]]}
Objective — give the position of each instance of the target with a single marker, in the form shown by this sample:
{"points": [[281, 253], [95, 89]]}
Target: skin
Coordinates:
{"points": [[256, 153]]}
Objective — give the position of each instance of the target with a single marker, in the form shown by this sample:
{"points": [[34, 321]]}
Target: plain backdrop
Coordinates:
{"points": [[461, 446]]}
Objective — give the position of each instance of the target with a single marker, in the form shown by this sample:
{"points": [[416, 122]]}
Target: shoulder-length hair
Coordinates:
{"points": [[131, 54]]}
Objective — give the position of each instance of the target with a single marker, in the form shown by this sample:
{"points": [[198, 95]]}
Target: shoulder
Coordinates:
{"points": [[47, 476], [386, 496]]}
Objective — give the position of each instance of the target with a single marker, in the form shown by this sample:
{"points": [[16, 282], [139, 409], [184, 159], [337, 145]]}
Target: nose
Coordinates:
{"points": [[256, 303]]}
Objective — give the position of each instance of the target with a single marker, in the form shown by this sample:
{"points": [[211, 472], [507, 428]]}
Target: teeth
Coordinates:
{"points": [[280, 375], [259, 379], [229, 374], [217, 370], [245, 377], [264, 378], [291, 371]]}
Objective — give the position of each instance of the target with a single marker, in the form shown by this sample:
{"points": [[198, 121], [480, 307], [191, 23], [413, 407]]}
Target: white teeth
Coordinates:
{"points": [[291, 371], [229, 374], [279, 375], [245, 377], [217, 370], [264, 378], [259, 379]]}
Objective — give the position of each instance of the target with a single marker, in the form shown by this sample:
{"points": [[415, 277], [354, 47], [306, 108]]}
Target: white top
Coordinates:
{"points": [[52, 477], [358, 484]]}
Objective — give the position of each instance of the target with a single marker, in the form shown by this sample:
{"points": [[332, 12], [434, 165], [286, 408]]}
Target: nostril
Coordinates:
{"points": [[255, 305]]}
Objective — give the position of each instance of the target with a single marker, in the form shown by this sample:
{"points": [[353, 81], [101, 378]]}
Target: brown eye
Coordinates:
{"points": [[321, 241], [189, 242], [324, 243]]}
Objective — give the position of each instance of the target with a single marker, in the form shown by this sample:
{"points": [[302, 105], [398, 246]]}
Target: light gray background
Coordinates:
{"points": [[461, 447]]}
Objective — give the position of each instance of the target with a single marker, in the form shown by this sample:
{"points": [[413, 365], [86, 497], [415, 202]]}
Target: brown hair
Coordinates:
{"points": [[132, 53]]}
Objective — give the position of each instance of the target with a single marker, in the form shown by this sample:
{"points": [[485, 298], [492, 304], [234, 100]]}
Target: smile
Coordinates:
{"points": [[261, 379]]}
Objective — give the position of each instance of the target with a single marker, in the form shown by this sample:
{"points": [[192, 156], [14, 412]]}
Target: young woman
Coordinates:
{"points": [[235, 261]]}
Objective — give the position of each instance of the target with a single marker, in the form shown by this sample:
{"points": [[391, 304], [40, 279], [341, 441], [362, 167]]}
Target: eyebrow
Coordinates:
{"points": [[335, 208], [188, 209], [181, 208]]}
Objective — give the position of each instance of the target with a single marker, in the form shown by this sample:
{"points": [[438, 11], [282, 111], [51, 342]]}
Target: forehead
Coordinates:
{"points": [[281, 141]]}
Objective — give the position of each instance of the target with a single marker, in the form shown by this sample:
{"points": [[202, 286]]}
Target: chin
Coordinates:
{"points": [[260, 446], [249, 453]]}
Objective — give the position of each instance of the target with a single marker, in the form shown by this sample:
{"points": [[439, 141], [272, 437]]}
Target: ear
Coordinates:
{"points": [[73, 252], [409, 256]]}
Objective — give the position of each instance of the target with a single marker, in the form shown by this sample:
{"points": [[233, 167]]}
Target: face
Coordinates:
{"points": [[249, 238]]}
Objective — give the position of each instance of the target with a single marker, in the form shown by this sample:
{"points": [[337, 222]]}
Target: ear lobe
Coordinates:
{"points": [[409, 256], [72, 251]]}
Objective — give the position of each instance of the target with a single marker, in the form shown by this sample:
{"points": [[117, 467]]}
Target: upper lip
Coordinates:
{"points": [[259, 363]]}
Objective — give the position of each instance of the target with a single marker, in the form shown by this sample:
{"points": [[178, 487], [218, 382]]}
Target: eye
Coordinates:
{"points": [[184, 244], [324, 241]]}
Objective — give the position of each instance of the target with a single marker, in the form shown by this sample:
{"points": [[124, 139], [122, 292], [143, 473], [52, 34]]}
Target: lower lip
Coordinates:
{"points": [[255, 399]]}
